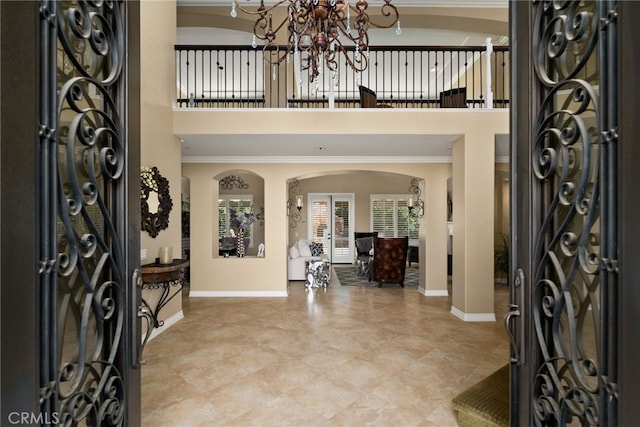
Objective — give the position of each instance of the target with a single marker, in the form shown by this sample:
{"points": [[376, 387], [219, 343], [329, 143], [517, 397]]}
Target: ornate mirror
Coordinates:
{"points": [[155, 201]]}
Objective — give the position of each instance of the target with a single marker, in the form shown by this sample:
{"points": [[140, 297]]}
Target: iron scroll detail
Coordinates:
{"points": [[568, 171], [82, 294]]}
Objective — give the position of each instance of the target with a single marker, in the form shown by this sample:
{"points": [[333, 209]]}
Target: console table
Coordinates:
{"points": [[163, 276]]}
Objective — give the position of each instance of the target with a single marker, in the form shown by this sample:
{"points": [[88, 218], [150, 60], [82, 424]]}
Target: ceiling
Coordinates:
{"points": [[334, 148], [280, 148]]}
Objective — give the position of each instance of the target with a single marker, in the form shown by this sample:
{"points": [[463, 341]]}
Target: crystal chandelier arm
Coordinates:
{"points": [[358, 64], [271, 52], [262, 9], [386, 10], [263, 30], [263, 26]]}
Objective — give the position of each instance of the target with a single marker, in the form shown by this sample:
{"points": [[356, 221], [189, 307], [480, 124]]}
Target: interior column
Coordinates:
{"points": [[433, 233], [473, 227]]}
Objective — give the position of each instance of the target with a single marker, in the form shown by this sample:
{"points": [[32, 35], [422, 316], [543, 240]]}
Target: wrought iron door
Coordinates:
{"points": [[87, 315], [564, 226]]}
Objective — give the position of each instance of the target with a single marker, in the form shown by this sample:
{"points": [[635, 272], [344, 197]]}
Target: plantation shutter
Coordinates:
{"points": [[390, 216], [342, 229], [383, 216], [407, 221], [402, 211], [320, 221], [223, 219]]}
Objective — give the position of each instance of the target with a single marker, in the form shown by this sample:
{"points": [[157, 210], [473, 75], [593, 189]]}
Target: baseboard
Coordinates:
{"points": [[436, 293], [473, 317], [241, 294], [501, 280], [170, 321]]}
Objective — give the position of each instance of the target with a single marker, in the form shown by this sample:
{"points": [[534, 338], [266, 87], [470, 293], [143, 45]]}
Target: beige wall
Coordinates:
{"points": [[473, 184], [159, 146], [215, 276], [361, 183], [502, 220], [267, 276]]}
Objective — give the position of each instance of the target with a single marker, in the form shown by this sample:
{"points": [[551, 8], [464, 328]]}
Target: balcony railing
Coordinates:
{"points": [[402, 77]]}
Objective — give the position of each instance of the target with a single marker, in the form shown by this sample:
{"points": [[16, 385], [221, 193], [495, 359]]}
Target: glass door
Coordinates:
{"points": [[331, 225]]}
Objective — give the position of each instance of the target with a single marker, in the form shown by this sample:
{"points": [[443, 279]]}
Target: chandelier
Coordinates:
{"points": [[319, 29]]}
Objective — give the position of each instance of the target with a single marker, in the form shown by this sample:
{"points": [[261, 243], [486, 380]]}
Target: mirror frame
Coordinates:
{"points": [[152, 181]]}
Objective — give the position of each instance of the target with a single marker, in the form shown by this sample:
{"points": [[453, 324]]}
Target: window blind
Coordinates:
{"points": [[320, 220], [390, 216]]}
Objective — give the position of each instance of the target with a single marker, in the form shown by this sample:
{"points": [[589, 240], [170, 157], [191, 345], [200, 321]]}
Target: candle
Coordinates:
{"points": [[166, 255]]}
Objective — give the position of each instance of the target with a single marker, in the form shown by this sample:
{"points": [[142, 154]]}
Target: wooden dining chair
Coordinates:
{"points": [[454, 98]]}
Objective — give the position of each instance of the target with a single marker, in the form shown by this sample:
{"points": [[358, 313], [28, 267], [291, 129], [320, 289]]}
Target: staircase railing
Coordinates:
{"points": [[401, 76]]}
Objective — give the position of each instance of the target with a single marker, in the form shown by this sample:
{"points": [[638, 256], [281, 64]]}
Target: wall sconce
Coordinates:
{"points": [[417, 202], [294, 215]]}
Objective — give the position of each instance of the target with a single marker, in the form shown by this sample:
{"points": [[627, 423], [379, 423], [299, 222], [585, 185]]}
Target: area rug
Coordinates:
{"points": [[348, 276]]}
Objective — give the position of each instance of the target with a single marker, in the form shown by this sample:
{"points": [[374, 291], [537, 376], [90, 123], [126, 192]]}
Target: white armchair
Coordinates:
{"points": [[299, 252]]}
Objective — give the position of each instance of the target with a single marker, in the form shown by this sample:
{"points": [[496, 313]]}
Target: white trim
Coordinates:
{"points": [[316, 159], [473, 317], [436, 293], [170, 321], [242, 294]]}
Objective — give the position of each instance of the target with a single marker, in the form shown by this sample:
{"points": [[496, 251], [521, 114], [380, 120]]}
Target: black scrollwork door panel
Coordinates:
{"points": [[561, 373], [86, 328]]}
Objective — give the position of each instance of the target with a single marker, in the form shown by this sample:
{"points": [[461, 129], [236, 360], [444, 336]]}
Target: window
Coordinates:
{"points": [[390, 216], [239, 203]]}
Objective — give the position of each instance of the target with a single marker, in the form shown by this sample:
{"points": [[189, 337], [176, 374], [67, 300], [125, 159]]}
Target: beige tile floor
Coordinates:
{"points": [[347, 356]]}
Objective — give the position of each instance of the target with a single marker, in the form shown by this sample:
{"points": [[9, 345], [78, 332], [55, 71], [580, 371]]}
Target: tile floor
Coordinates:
{"points": [[347, 356]]}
